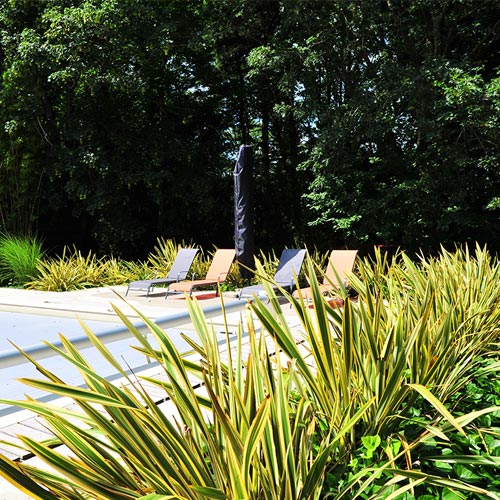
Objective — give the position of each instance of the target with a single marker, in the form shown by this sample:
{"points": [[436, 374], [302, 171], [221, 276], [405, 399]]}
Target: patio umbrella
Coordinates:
{"points": [[243, 210]]}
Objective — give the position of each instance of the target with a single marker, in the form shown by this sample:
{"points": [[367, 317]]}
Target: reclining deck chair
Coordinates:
{"points": [[289, 267], [178, 272], [216, 274], [340, 263]]}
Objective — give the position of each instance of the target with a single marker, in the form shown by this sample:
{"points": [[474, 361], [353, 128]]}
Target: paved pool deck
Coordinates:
{"points": [[96, 305]]}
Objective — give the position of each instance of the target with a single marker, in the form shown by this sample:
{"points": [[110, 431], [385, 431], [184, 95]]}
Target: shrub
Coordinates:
{"points": [[74, 271], [19, 257], [415, 333], [240, 438], [301, 406]]}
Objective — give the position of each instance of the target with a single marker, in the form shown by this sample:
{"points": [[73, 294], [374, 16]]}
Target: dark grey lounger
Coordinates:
{"points": [[289, 266], [178, 272]]}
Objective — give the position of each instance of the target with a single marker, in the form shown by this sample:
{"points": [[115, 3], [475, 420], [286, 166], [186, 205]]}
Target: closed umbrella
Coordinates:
{"points": [[243, 210]]}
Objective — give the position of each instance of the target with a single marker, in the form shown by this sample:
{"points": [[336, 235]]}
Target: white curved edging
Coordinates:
{"points": [[41, 351]]}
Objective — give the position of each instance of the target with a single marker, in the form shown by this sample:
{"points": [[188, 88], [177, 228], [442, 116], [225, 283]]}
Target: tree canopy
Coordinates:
{"points": [[373, 122]]}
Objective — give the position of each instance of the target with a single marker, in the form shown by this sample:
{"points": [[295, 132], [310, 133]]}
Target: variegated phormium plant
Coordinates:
{"points": [[269, 424], [410, 326], [414, 331], [238, 438]]}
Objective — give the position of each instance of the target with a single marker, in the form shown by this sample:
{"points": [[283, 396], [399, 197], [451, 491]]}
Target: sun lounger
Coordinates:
{"points": [[178, 272], [216, 274], [340, 263], [289, 267]]}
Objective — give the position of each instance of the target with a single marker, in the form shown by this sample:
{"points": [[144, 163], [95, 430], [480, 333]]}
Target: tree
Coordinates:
{"points": [[401, 158], [128, 127], [260, 64], [21, 134], [373, 122]]}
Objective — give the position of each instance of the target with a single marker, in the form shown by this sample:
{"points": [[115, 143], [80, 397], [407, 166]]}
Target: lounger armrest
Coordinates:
{"points": [[182, 272]]}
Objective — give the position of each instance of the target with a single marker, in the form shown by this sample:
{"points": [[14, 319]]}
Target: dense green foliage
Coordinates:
{"points": [[373, 122]]}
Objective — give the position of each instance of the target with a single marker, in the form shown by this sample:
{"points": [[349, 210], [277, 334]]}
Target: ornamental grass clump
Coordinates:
{"points": [[162, 257], [454, 302], [400, 342], [19, 258], [74, 271]]}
